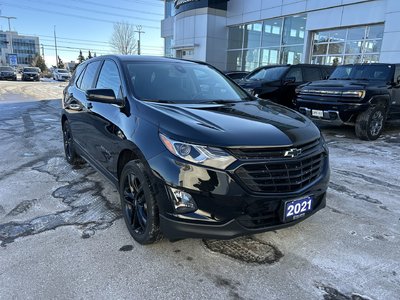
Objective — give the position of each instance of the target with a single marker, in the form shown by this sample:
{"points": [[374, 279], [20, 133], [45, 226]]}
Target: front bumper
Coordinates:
{"points": [[226, 208], [334, 111], [8, 77], [30, 77]]}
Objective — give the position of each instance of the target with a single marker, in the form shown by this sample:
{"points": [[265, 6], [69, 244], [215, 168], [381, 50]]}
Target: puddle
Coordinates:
{"points": [[246, 249]]}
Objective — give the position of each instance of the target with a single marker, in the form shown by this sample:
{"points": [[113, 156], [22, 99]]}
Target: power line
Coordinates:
{"points": [[98, 11], [53, 12], [116, 7], [69, 39]]}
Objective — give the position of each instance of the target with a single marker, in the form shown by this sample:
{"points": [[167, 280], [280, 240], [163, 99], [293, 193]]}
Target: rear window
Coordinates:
{"points": [[311, 74]]}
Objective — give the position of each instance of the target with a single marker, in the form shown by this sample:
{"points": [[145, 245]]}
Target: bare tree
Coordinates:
{"points": [[123, 38]]}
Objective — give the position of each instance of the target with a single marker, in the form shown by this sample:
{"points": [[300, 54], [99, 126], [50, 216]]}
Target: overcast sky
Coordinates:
{"points": [[83, 24]]}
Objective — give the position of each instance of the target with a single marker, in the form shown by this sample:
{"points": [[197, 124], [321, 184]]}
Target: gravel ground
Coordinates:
{"points": [[62, 235]]}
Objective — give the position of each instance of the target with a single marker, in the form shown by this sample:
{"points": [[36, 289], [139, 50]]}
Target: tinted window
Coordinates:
{"points": [[296, 73], [362, 72], [109, 78], [88, 76], [311, 74], [30, 70], [6, 69], [181, 82], [396, 73], [267, 74]]}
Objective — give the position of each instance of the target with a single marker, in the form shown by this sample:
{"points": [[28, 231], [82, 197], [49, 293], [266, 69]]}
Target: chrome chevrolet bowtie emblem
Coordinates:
{"points": [[294, 152]]}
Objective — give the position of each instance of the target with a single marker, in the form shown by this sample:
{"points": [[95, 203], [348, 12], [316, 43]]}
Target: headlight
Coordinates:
{"points": [[358, 93], [203, 155]]}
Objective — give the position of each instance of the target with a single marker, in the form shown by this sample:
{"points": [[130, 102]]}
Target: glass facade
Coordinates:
{"points": [[273, 41], [25, 50], [347, 46]]}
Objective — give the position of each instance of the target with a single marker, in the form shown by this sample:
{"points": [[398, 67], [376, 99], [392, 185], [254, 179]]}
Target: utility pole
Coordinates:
{"points": [[42, 50], [55, 45], [139, 30], [9, 23], [9, 29]]}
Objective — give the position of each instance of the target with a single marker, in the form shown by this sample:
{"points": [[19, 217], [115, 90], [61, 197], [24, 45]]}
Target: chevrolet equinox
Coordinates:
{"points": [[191, 153]]}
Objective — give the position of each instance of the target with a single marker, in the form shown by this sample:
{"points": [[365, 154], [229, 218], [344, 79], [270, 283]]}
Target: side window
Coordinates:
{"points": [[296, 73], [311, 74], [396, 73], [89, 75], [78, 75], [109, 78]]}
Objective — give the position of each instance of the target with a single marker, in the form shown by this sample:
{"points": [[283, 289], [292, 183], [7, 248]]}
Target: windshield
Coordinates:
{"points": [[267, 74], [62, 71], [6, 69], [362, 72], [181, 82], [31, 70]]}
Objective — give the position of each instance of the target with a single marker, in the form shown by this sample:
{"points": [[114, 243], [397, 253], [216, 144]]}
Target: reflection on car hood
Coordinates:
{"points": [[253, 123], [257, 83], [343, 84]]}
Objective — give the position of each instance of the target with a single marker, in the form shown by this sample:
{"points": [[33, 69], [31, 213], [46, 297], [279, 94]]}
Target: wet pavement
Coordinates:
{"points": [[62, 235]]}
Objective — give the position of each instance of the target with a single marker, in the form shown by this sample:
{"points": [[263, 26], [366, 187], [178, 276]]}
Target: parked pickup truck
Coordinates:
{"points": [[363, 95]]}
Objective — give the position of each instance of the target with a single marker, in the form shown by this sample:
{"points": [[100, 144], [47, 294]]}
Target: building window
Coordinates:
{"points": [[273, 41], [347, 46]]}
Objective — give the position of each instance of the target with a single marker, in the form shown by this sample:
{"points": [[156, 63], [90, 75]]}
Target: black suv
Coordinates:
{"points": [[279, 82], [8, 73], [31, 73], [191, 153], [364, 95]]}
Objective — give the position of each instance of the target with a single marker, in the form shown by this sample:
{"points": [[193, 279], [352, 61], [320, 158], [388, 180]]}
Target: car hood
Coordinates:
{"points": [[252, 123], [257, 83], [345, 84], [30, 73]]}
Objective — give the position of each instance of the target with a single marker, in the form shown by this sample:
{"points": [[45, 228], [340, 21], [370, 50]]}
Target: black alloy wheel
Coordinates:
{"points": [[138, 203], [370, 123], [135, 208], [70, 154]]}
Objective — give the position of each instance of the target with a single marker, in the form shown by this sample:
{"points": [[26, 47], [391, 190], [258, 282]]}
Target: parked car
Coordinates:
{"points": [[363, 95], [61, 74], [31, 73], [236, 75], [191, 153], [8, 73], [278, 82]]}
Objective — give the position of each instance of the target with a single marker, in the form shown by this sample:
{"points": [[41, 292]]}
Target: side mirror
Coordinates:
{"points": [[289, 80], [103, 96], [398, 80]]}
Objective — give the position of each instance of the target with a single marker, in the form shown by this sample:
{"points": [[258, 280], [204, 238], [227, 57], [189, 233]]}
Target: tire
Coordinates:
{"points": [[138, 203], [70, 153], [370, 123]]}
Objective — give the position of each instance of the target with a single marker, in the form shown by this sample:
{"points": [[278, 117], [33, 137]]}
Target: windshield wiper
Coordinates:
{"points": [[366, 79]]}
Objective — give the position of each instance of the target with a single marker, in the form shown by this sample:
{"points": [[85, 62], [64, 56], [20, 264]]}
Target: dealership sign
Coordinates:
{"points": [[178, 3], [12, 59]]}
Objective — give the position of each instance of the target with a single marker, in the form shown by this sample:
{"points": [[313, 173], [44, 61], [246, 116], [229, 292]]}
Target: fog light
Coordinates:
{"points": [[183, 202]]}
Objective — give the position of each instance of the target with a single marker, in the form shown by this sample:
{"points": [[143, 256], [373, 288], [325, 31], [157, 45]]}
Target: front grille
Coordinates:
{"points": [[265, 213], [270, 153], [281, 176]]}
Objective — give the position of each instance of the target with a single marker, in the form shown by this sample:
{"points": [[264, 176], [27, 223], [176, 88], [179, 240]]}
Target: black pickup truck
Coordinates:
{"points": [[364, 95]]}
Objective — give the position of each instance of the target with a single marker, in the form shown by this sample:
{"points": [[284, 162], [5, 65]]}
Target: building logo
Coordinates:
{"points": [[12, 59], [178, 3], [294, 152]]}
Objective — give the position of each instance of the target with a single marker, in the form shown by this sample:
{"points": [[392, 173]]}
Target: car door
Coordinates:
{"points": [[288, 90], [106, 119], [83, 129], [395, 93]]}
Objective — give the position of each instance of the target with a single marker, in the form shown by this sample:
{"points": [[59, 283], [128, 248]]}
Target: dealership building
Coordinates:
{"points": [[245, 34]]}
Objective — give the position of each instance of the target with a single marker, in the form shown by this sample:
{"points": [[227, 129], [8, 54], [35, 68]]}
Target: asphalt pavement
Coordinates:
{"points": [[62, 235]]}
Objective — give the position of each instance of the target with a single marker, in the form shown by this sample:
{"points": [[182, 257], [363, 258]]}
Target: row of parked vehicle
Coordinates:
{"points": [[32, 74], [363, 95]]}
